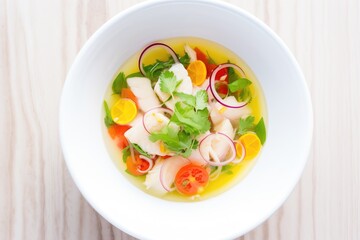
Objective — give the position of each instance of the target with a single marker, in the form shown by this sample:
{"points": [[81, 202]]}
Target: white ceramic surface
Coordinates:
{"points": [[232, 213]]}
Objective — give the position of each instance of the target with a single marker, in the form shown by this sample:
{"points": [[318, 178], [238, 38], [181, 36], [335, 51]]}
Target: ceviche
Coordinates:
{"points": [[184, 119]]}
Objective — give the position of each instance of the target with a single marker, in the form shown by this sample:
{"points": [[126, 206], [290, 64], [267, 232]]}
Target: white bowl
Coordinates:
{"points": [[231, 213]]}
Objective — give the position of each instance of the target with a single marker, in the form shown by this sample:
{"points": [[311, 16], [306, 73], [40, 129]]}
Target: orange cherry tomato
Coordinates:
{"points": [[191, 179], [133, 166]]}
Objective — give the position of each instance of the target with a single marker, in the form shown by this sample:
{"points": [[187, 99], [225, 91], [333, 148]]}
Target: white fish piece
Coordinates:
{"points": [[155, 121], [233, 114], [191, 53], [137, 134], [195, 156], [137, 119], [141, 87], [185, 86], [220, 147], [152, 180]]}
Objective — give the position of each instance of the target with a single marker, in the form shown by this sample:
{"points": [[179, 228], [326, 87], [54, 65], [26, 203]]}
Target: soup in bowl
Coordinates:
{"points": [[185, 120]]}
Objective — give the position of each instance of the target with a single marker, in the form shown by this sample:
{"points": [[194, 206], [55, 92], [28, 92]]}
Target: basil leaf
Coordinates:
{"points": [[119, 83], [260, 131], [239, 84], [107, 119]]}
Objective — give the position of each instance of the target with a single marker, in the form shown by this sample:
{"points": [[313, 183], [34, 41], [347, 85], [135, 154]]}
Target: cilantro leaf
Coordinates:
{"points": [[125, 154], [177, 141], [168, 82], [194, 122], [135, 74], [232, 75], [239, 84], [201, 100], [140, 150], [153, 71], [119, 83], [260, 131], [107, 119], [186, 98], [245, 125]]}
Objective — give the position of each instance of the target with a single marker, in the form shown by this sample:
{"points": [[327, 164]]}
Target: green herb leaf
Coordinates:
{"points": [[168, 82], [125, 154], [210, 59], [260, 131], [239, 84], [245, 125], [119, 83], [227, 169], [245, 95], [194, 122], [108, 119], [177, 141], [186, 98], [140, 150], [135, 74], [232, 76], [153, 71], [201, 100]]}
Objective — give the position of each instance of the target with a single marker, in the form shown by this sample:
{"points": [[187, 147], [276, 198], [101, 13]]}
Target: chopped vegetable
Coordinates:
{"points": [[168, 82], [197, 72], [191, 179], [138, 166], [245, 125], [140, 150], [127, 93], [252, 145], [260, 130], [123, 111], [116, 132], [194, 122], [239, 84], [119, 83], [179, 142], [108, 119]]}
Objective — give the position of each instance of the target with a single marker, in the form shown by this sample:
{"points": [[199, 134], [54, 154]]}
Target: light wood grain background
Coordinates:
{"points": [[39, 40]]}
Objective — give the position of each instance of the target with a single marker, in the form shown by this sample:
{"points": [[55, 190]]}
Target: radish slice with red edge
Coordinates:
{"points": [[152, 46], [213, 89], [154, 110], [151, 164], [205, 153], [169, 169], [243, 153]]}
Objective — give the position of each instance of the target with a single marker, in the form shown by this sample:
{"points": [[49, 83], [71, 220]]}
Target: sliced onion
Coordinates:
{"points": [[213, 89], [169, 169], [154, 45], [155, 109], [238, 160], [151, 164], [216, 161]]}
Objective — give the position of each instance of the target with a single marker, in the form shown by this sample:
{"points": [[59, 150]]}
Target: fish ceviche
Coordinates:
{"points": [[184, 125]]}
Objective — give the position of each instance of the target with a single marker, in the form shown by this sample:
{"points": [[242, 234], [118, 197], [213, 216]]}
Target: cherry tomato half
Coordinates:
{"points": [[191, 179], [133, 167]]}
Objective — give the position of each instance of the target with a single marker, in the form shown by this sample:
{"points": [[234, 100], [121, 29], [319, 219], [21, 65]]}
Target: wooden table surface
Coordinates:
{"points": [[38, 42]]}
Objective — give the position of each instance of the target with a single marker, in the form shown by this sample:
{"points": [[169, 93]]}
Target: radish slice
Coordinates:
{"points": [[151, 164], [154, 45], [154, 110], [213, 89], [169, 170], [210, 156], [243, 151]]}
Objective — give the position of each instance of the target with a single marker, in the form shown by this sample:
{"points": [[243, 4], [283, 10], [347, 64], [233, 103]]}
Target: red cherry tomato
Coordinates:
{"points": [[191, 179]]}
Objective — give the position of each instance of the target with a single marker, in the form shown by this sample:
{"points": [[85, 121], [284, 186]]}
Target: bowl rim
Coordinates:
{"points": [[219, 4]]}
